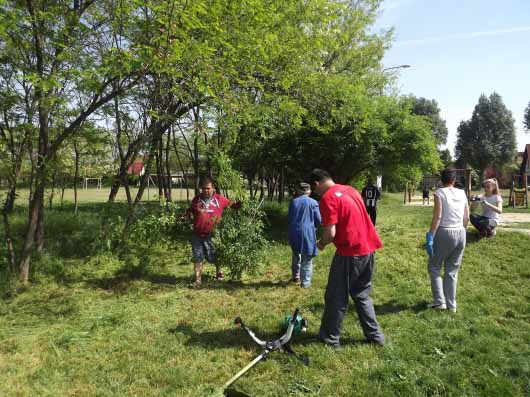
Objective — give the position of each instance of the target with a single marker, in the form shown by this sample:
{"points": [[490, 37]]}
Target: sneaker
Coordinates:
{"points": [[295, 280], [330, 345], [220, 276], [196, 284], [437, 306], [452, 309], [490, 232]]}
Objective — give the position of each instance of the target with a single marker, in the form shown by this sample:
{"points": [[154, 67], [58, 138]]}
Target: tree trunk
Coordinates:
{"points": [[281, 186], [160, 178], [196, 163], [32, 171], [29, 240], [168, 168], [8, 208], [76, 175], [125, 183], [160, 173], [11, 260], [114, 188], [158, 129], [63, 186], [54, 182], [185, 180], [208, 160], [261, 188], [250, 187], [143, 183], [121, 178], [39, 232]]}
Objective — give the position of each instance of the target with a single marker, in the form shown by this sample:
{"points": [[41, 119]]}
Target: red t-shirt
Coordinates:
{"points": [[207, 214], [355, 235]]}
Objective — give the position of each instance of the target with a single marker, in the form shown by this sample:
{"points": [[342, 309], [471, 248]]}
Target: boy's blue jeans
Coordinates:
{"points": [[302, 268]]}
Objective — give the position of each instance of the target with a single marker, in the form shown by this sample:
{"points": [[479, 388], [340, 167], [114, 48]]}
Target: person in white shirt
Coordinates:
{"points": [[446, 241], [491, 202]]}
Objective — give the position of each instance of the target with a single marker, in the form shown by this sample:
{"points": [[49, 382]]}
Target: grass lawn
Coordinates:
{"points": [[94, 195], [91, 324]]}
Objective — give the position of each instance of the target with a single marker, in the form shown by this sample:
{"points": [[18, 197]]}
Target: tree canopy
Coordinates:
{"points": [[261, 89], [488, 138], [430, 110], [526, 119]]}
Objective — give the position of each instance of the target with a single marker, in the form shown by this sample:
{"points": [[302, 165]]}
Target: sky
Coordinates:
{"points": [[460, 49]]}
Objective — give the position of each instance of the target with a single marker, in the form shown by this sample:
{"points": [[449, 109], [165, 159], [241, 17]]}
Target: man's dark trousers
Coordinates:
{"points": [[349, 276], [372, 211]]}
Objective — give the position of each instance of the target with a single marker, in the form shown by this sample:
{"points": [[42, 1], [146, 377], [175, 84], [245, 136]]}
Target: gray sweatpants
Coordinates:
{"points": [[449, 245], [349, 275]]}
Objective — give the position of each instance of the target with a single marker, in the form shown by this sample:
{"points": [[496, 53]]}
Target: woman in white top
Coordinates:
{"points": [[446, 241], [491, 202]]}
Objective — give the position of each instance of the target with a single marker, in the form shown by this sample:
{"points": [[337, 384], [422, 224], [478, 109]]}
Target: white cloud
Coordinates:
{"points": [[457, 36]]}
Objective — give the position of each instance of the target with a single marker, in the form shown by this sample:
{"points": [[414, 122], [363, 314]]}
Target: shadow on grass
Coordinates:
{"points": [[473, 237], [230, 337], [121, 282], [231, 392], [389, 307], [394, 307], [47, 310]]}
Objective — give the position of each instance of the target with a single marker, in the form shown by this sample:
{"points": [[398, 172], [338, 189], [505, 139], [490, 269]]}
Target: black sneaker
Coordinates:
{"points": [[330, 345]]}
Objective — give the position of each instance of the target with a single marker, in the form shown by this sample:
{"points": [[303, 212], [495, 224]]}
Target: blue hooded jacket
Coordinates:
{"points": [[304, 218]]}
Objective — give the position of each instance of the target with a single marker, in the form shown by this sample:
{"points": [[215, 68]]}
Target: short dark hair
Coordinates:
{"points": [[303, 187], [205, 180], [319, 175], [449, 175]]}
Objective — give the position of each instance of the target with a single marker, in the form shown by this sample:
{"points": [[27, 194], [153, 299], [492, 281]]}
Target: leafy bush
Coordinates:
{"points": [[161, 224], [239, 240], [154, 224]]}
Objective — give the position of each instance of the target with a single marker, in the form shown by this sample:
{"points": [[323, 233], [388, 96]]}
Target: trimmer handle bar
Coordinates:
{"points": [[275, 344]]}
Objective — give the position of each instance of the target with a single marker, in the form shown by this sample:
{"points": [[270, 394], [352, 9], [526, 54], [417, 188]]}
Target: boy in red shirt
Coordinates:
{"points": [[207, 209], [347, 224]]}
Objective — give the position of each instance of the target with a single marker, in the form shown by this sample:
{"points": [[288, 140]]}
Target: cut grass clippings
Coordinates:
{"points": [[87, 327]]}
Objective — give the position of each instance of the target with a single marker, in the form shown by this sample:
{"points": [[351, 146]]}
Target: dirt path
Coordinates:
{"points": [[514, 219]]}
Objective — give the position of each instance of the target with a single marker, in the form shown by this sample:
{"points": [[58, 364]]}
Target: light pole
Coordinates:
{"points": [[396, 67], [393, 67]]}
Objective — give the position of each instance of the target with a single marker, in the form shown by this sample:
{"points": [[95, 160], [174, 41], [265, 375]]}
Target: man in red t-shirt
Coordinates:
{"points": [[206, 209], [347, 224]]}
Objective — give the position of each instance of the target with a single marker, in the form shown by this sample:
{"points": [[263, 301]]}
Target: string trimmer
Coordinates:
{"points": [[295, 323]]}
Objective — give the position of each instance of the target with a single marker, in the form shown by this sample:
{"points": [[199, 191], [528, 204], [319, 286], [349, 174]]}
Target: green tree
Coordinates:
{"points": [[488, 138], [430, 110], [323, 95], [445, 157], [62, 48], [526, 119]]}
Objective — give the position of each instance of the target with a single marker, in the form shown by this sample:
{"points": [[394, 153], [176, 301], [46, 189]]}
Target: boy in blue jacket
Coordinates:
{"points": [[304, 218]]}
